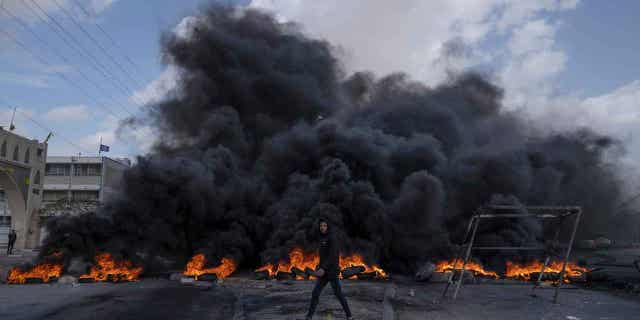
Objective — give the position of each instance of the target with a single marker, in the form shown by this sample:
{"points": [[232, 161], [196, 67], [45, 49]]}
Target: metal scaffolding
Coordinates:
{"points": [[541, 212]]}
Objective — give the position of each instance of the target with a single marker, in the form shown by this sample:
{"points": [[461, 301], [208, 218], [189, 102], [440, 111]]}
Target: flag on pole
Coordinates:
{"points": [[104, 148]]}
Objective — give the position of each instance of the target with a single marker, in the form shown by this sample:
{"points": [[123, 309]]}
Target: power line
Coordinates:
{"points": [[93, 63], [62, 57], [103, 49], [113, 42], [107, 35], [61, 75], [42, 126], [97, 65], [43, 61]]}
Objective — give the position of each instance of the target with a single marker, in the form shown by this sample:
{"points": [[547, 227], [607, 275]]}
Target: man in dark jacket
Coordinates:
{"points": [[12, 240], [328, 270]]}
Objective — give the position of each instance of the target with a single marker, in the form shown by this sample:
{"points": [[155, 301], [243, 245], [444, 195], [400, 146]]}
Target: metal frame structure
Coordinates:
{"points": [[540, 212]]}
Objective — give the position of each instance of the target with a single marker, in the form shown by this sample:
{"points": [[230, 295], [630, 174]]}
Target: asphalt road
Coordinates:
{"points": [[151, 299], [242, 299]]}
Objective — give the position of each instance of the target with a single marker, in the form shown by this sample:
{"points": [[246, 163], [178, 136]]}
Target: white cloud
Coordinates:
{"points": [[391, 36], [129, 142], [532, 36], [92, 141], [616, 113], [68, 113], [184, 29], [516, 11], [32, 80], [99, 6], [529, 80], [531, 65], [409, 36], [144, 138], [620, 107], [158, 88], [128, 145]]}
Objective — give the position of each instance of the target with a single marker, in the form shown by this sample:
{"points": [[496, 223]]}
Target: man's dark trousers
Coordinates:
{"points": [[10, 247], [337, 290]]}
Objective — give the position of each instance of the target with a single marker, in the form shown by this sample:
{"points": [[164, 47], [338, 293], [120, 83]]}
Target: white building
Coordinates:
{"points": [[88, 180], [75, 185], [22, 162]]}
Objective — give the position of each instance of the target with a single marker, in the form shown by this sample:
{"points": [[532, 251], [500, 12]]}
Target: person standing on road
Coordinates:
{"points": [[328, 270], [12, 240]]}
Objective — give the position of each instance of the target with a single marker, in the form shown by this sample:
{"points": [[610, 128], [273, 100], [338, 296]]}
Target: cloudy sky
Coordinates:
{"points": [[78, 66]]}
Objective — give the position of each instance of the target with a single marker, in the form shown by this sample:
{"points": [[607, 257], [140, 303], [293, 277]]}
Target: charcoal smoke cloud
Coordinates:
{"points": [[265, 134]]}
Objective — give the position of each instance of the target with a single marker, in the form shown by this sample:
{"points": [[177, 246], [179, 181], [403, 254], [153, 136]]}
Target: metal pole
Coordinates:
{"points": [[70, 181], [546, 260], [458, 254], [566, 257], [541, 274], [466, 258]]}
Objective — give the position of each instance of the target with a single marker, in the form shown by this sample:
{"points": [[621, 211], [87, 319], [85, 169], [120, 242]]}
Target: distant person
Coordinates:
{"points": [[12, 240], [328, 270]]}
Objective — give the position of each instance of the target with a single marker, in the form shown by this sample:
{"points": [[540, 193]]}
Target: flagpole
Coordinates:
{"points": [[101, 170], [11, 126]]}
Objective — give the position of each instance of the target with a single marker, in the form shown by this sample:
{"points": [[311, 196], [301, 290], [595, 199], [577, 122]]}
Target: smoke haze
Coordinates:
{"points": [[266, 132]]}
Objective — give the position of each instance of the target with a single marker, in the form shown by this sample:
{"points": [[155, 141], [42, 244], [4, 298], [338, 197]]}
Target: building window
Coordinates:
{"points": [[39, 153], [27, 155], [16, 153], [5, 221], [36, 180], [85, 195], [56, 169], [87, 170], [4, 205], [93, 170], [50, 195], [3, 151]]}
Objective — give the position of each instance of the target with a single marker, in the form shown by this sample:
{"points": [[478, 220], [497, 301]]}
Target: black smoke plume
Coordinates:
{"points": [[265, 133]]}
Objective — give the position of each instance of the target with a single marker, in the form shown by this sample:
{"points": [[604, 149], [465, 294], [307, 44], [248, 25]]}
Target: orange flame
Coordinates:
{"points": [[444, 266], [44, 271], [106, 268], [525, 271], [297, 259], [301, 260], [516, 270], [196, 267], [356, 260]]}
